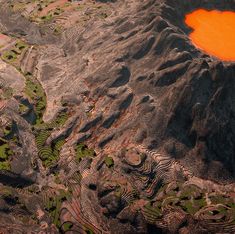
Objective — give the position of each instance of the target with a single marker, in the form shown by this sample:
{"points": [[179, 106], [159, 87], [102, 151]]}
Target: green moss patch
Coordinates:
{"points": [[67, 226], [36, 94], [52, 204], [12, 56], [151, 213], [9, 56], [109, 162], [23, 109], [5, 154], [82, 151]]}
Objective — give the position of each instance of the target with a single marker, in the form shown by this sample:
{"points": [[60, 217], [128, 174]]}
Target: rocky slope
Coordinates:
{"points": [[112, 121]]}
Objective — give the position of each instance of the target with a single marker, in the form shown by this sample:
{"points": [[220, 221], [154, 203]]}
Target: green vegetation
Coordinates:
{"points": [[109, 162], [5, 154], [5, 166], [11, 56], [52, 204], [46, 18], [51, 14], [49, 154], [23, 109], [192, 206], [60, 120], [67, 226], [7, 130], [57, 178], [36, 94], [152, 213], [89, 231], [83, 151], [20, 45], [190, 199]]}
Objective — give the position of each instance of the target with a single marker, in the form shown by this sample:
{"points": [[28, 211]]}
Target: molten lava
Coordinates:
{"points": [[214, 32]]}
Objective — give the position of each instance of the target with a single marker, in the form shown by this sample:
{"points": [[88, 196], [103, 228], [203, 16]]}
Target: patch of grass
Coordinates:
{"points": [[49, 154], [109, 162], [36, 94], [188, 192], [53, 204], [9, 56], [151, 213], [5, 166], [89, 231], [67, 226], [7, 129], [61, 119], [5, 154], [20, 45], [23, 109], [82, 151], [47, 18]]}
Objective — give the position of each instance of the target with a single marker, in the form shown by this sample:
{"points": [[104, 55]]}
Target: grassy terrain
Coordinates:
{"points": [[52, 204], [37, 96], [5, 154], [109, 162], [83, 151], [49, 154], [13, 55], [23, 109], [190, 199]]}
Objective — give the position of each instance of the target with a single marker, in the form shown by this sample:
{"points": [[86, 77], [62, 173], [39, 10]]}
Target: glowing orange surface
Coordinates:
{"points": [[214, 32]]}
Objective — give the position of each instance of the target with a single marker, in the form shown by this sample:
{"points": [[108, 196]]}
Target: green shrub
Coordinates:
{"points": [[83, 151], [9, 56], [109, 162]]}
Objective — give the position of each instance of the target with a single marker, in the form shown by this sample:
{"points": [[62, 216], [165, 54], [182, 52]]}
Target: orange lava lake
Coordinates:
{"points": [[213, 32]]}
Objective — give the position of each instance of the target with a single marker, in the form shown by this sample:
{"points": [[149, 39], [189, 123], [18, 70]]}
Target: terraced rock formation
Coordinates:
{"points": [[112, 121]]}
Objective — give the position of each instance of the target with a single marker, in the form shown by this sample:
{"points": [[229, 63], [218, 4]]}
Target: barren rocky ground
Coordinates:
{"points": [[112, 121]]}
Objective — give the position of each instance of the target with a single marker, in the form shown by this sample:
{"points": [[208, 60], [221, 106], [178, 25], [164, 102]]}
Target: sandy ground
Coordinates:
{"points": [[4, 39], [12, 77]]}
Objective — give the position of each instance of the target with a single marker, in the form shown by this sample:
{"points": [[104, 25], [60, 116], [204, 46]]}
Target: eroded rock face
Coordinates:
{"points": [[121, 77], [152, 86]]}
